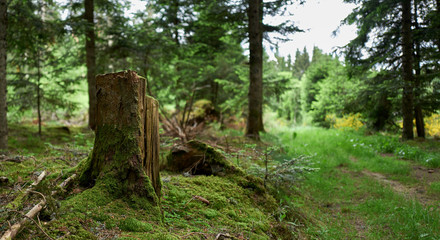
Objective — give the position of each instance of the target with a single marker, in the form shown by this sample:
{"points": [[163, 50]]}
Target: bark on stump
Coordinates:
{"points": [[126, 148]]}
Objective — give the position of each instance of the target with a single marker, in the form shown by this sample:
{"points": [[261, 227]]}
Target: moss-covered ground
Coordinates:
{"points": [[192, 207]]}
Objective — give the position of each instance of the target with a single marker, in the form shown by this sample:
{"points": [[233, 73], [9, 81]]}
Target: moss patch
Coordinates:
{"points": [[231, 208], [133, 225]]}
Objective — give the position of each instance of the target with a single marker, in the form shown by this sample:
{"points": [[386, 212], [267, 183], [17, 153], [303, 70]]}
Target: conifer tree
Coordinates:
{"points": [[392, 48], [3, 47], [90, 59]]}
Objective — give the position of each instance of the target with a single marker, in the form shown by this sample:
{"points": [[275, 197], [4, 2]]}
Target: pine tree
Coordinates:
{"points": [[90, 59], [302, 62], [39, 57], [392, 49], [255, 115], [3, 47]]}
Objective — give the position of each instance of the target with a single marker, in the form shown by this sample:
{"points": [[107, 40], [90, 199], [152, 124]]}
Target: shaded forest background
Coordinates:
{"points": [[194, 55]]}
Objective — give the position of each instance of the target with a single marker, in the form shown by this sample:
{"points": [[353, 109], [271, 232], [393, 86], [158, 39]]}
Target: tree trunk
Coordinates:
{"points": [[255, 115], [126, 148], [3, 106], [418, 113], [90, 60], [438, 23], [39, 91], [407, 74]]}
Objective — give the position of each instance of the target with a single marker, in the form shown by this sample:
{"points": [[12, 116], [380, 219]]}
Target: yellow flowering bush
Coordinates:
{"points": [[432, 125], [352, 121]]}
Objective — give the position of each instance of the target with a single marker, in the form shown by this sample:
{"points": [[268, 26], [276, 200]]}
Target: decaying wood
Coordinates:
{"points": [[152, 143], [12, 232], [65, 183], [39, 179], [202, 199], [16, 159], [127, 135], [19, 199], [185, 132], [222, 236]]}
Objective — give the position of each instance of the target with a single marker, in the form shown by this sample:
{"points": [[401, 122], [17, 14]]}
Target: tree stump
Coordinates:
{"points": [[126, 148]]}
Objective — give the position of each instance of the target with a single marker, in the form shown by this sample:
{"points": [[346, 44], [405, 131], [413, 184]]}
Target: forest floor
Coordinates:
{"points": [[358, 187]]}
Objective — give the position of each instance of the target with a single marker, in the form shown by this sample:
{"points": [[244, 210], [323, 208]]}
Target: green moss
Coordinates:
{"points": [[149, 236], [210, 213], [201, 107], [253, 236], [215, 157], [230, 206], [134, 225], [109, 166]]}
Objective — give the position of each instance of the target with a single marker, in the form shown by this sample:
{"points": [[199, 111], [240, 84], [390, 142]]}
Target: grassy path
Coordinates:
{"points": [[359, 193]]}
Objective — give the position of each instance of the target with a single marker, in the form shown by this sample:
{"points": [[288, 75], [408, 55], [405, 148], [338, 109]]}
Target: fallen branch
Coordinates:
{"points": [[222, 236], [12, 232], [65, 183], [18, 200], [15, 159], [31, 218], [201, 199]]}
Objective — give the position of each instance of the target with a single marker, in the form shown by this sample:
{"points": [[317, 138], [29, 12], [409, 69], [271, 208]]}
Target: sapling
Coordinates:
{"points": [[267, 152]]}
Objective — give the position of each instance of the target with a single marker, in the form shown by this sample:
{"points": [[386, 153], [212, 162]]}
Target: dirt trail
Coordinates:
{"points": [[418, 191]]}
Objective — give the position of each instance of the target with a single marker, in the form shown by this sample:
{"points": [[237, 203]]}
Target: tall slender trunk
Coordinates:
{"points": [[438, 23], [3, 46], [255, 115], [418, 113], [39, 91], [175, 20], [91, 60], [407, 74], [214, 93]]}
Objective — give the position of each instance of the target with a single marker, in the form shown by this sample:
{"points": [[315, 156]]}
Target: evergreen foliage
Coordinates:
{"points": [[192, 50], [40, 56]]}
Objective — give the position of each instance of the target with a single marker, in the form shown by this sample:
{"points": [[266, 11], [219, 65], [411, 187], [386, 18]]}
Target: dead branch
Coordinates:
{"points": [[12, 232], [22, 195], [222, 236], [38, 224], [14, 229], [40, 177], [202, 199], [15, 159], [65, 183]]}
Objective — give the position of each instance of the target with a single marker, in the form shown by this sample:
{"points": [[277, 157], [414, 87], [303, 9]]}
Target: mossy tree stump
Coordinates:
{"points": [[125, 155]]}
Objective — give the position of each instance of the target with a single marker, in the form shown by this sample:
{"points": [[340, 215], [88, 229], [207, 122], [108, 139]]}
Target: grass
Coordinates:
{"points": [[347, 204]]}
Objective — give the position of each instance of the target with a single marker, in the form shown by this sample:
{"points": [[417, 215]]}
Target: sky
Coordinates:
{"points": [[319, 18]]}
